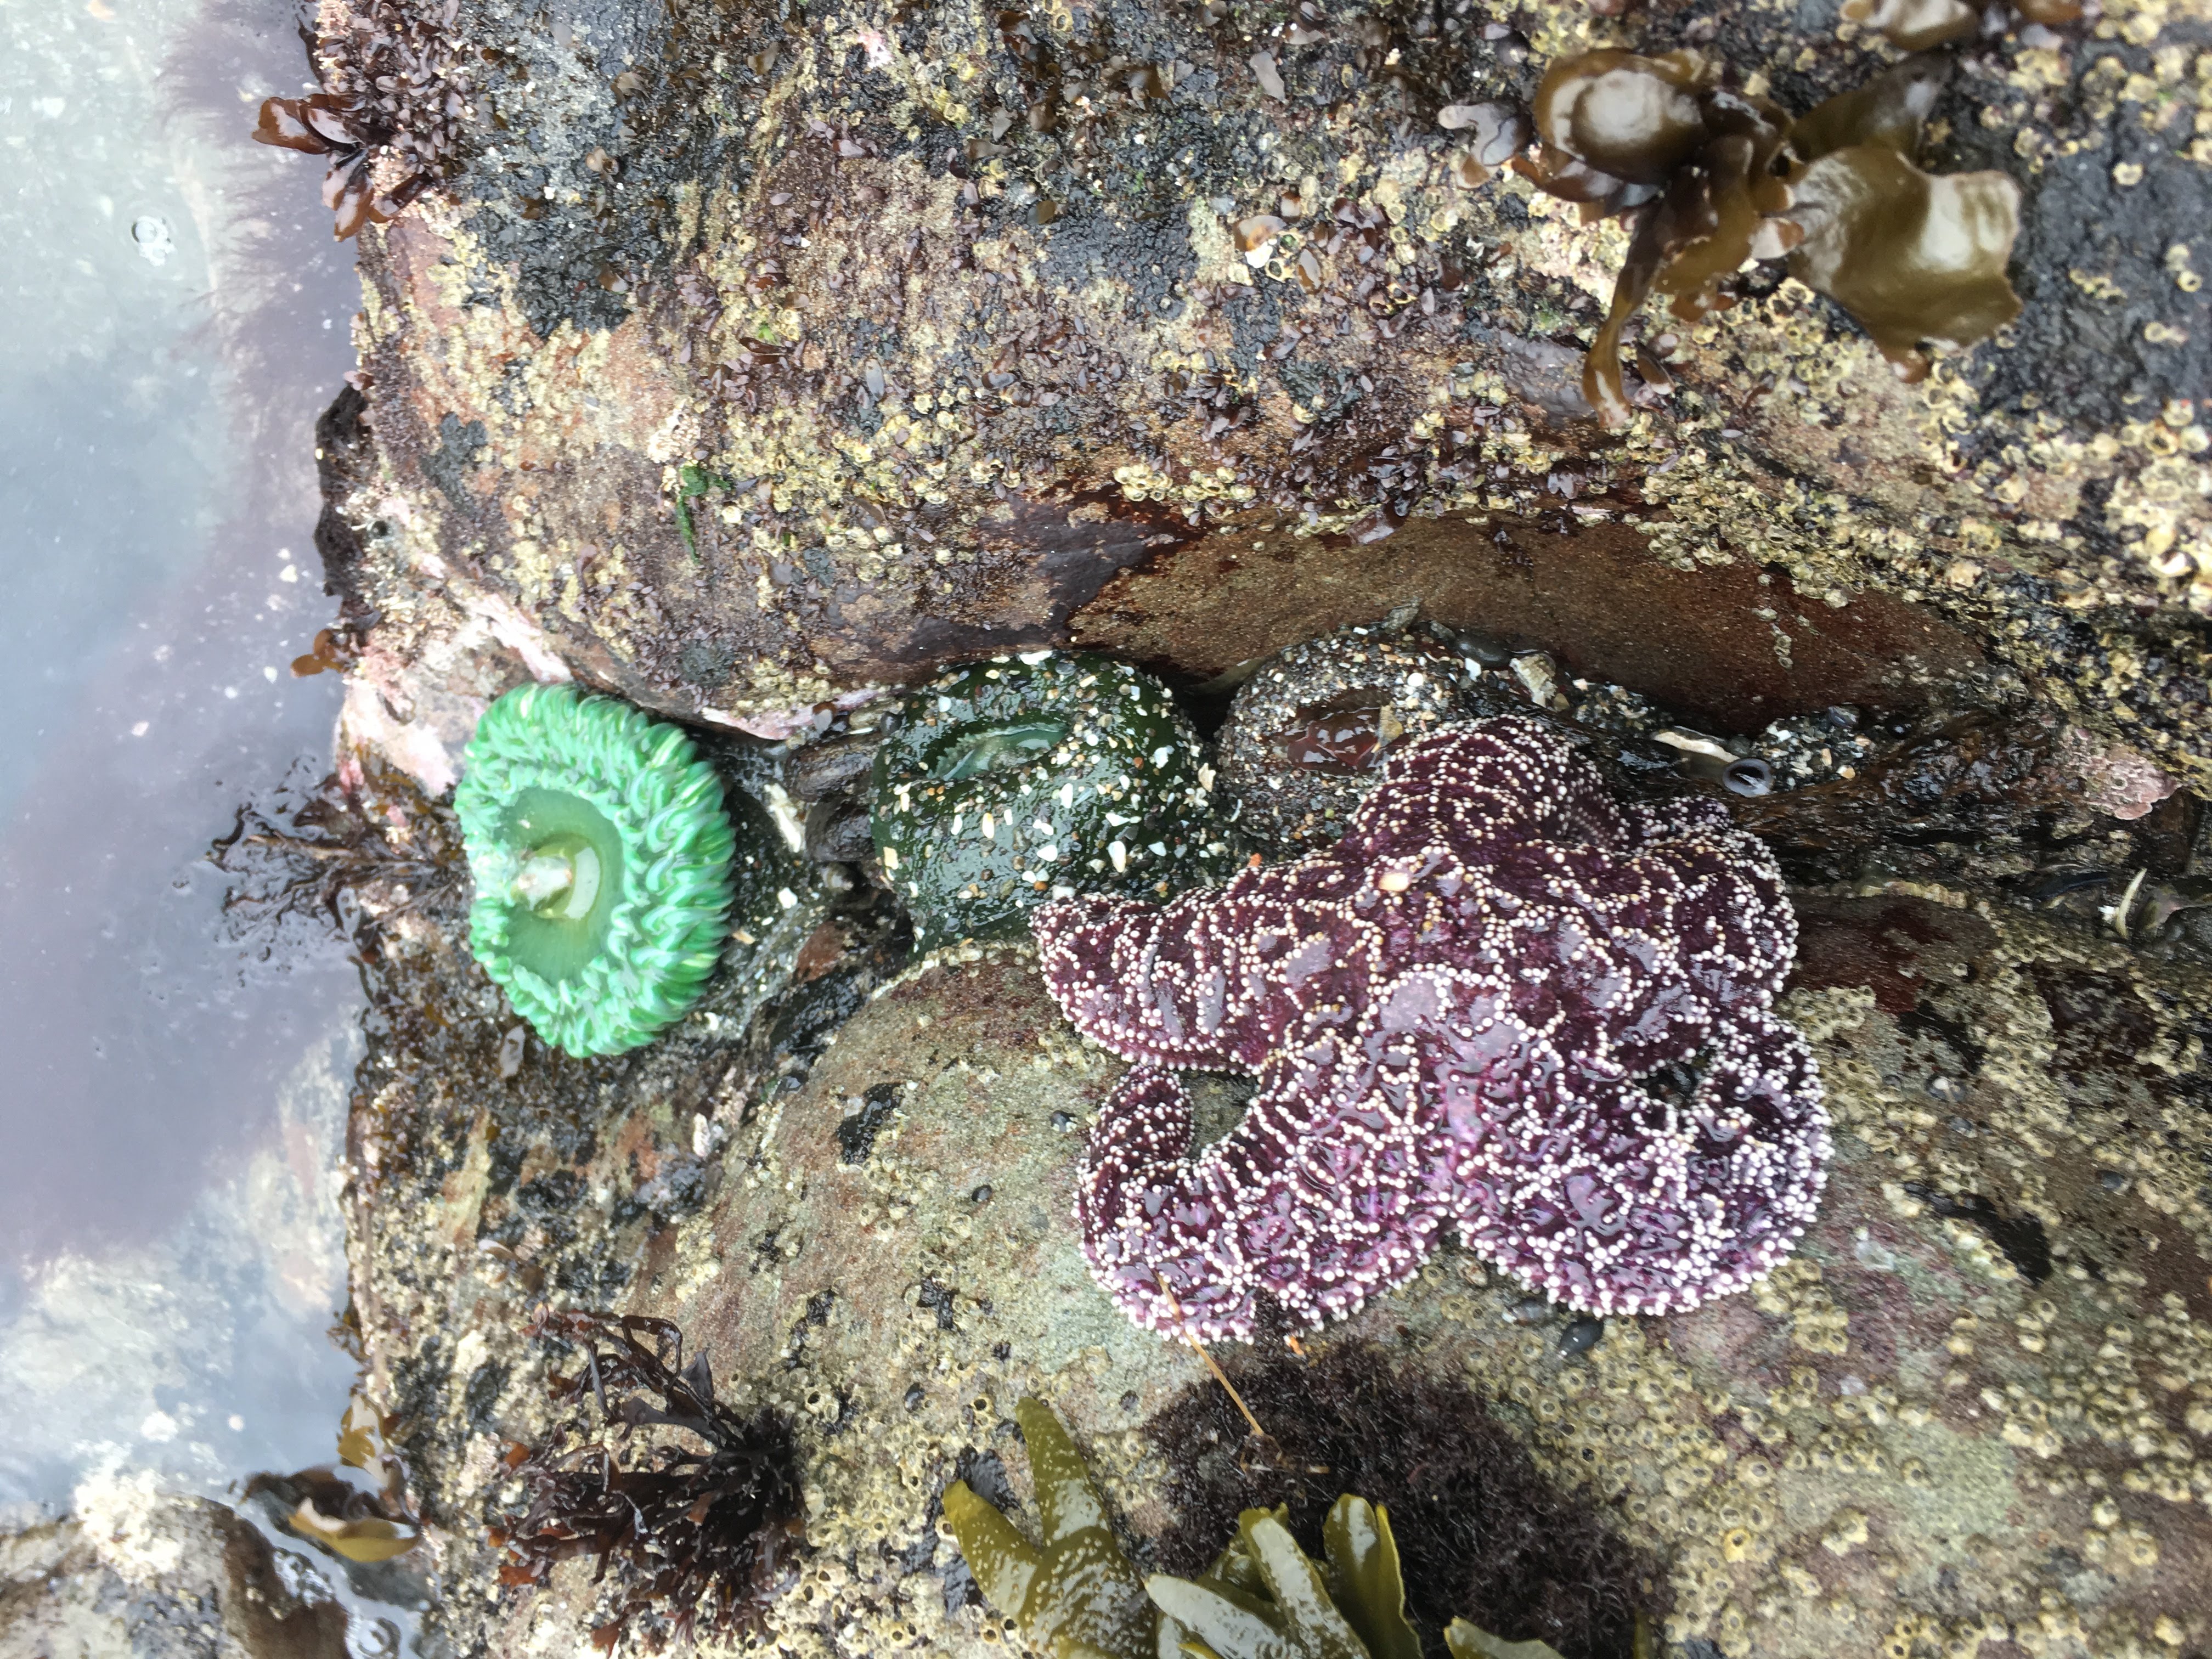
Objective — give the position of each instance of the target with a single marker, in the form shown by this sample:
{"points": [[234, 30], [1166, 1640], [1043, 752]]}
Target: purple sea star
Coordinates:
{"points": [[1504, 1001]]}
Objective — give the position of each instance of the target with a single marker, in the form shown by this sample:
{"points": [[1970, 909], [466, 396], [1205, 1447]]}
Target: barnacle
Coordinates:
{"points": [[1618, 132], [1076, 1596], [1009, 781], [602, 857], [696, 1543], [1913, 256]]}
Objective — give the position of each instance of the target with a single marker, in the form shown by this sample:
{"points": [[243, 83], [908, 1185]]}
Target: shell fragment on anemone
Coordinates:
{"points": [[1504, 1003], [601, 852]]}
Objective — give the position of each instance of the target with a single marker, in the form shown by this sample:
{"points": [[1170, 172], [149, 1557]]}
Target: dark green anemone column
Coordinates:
{"points": [[601, 853], [1008, 781]]}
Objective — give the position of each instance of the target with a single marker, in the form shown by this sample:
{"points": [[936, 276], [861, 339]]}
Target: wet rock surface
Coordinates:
{"points": [[1974, 1407], [166, 1578], [754, 362], [749, 366]]}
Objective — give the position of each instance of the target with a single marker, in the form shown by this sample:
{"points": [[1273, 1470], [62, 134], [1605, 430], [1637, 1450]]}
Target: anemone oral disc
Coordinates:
{"points": [[603, 855]]}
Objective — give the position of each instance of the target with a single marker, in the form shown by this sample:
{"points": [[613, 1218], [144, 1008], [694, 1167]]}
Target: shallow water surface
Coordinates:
{"points": [[173, 1096]]}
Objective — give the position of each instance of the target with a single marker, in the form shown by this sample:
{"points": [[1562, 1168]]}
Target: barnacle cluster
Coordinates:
{"points": [[697, 1543], [390, 114], [1716, 176], [1013, 780], [1077, 1596], [602, 857]]}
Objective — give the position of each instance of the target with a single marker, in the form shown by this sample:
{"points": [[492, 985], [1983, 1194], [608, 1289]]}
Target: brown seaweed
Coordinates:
{"points": [[1916, 25], [697, 1543], [307, 857], [1077, 1596], [1716, 177], [1913, 256], [1663, 137], [388, 114], [357, 1523]]}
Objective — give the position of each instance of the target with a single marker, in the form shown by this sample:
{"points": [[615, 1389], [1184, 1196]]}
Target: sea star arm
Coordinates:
{"points": [[1484, 786], [1319, 1198], [1629, 1198], [1199, 982], [1633, 957]]}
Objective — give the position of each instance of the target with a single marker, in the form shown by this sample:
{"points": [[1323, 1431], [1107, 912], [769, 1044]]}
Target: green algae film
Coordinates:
{"points": [[1010, 781]]}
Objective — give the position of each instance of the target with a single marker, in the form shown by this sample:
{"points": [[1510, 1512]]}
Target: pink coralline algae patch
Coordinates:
{"points": [[1503, 1001]]}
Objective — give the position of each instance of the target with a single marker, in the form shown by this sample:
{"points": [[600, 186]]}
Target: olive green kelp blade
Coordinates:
{"points": [[1074, 1593], [1266, 1600], [1365, 1578]]}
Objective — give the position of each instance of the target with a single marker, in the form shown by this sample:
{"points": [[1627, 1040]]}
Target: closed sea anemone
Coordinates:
{"points": [[1010, 781], [1716, 177], [601, 854], [1308, 733]]}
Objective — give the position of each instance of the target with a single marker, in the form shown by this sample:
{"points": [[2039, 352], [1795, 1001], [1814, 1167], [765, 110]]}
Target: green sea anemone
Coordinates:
{"points": [[1010, 781], [601, 854]]}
